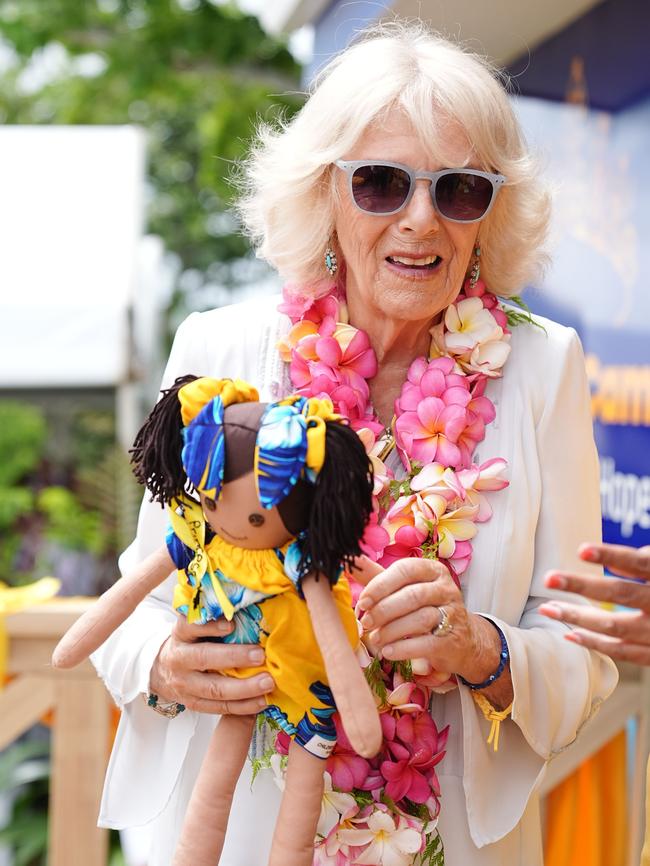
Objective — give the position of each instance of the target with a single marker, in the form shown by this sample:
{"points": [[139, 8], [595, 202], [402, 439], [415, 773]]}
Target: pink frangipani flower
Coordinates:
{"points": [[347, 769], [407, 543]]}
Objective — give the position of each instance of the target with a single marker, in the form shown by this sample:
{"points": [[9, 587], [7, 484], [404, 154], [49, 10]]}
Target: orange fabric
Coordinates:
{"points": [[645, 854], [586, 819]]}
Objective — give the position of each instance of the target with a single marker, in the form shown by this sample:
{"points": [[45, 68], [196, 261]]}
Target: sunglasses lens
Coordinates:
{"points": [[463, 197], [380, 188]]}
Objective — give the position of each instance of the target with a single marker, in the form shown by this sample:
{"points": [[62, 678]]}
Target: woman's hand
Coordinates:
{"points": [[402, 610], [621, 635], [187, 670]]}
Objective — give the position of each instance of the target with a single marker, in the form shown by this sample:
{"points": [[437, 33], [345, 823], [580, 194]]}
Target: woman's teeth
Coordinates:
{"points": [[414, 263]]}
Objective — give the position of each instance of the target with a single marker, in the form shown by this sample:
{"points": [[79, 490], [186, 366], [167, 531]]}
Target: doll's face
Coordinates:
{"points": [[240, 520]]}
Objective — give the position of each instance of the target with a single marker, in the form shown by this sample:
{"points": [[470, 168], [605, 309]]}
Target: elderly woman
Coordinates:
{"points": [[400, 191]]}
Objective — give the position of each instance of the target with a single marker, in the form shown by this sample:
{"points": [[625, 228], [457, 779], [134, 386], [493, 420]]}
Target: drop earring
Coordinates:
{"points": [[475, 271], [331, 265]]}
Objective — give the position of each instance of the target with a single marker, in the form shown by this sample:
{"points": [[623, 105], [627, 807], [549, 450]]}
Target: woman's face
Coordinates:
{"points": [[370, 244]]}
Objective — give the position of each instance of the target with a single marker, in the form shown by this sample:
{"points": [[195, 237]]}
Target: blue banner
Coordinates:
{"points": [[598, 283]]}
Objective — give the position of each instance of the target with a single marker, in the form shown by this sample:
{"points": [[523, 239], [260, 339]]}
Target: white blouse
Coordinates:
{"points": [[489, 809]]}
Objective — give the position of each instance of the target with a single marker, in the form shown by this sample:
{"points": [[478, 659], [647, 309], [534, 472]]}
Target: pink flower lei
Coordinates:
{"points": [[385, 810]]}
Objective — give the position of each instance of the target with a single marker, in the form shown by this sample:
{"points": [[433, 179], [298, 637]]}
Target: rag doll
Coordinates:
{"points": [[266, 503]]}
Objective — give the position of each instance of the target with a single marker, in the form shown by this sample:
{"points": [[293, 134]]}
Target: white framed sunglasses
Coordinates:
{"points": [[462, 195]]}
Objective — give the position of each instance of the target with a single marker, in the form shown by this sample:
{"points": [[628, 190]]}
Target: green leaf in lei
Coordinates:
{"points": [[434, 853]]}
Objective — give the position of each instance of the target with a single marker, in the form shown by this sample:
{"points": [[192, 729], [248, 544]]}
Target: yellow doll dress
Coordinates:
{"points": [[262, 588]]}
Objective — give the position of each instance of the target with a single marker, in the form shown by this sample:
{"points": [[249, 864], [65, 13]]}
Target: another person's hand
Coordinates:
{"points": [[187, 670], [620, 634], [402, 611]]}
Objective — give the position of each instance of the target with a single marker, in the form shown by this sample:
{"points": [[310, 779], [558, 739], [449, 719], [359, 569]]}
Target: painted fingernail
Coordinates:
{"points": [[256, 656], [551, 609], [266, 682], [556, 581], [589, 553], [388, 651], [574, 637]]}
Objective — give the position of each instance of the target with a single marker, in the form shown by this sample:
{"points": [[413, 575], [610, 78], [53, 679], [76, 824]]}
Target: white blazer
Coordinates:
{"points": [[543, 429]]}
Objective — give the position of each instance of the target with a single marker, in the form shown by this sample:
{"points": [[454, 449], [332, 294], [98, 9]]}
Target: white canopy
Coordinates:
{"points": [[76, 277]]}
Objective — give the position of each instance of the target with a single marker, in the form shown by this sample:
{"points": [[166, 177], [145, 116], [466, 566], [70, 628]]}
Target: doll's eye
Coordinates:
{"points": [[255, 519], [210, 504]]}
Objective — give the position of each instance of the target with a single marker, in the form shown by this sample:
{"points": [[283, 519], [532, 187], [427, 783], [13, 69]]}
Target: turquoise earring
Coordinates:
{"points": [[331, 264]]}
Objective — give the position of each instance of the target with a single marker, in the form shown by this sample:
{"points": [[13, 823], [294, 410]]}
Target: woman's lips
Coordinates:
{"points": [[420, 268]]}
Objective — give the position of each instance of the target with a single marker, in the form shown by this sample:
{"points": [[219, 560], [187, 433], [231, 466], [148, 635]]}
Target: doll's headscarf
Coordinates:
{"points": [[202, 410], [290, 442]]}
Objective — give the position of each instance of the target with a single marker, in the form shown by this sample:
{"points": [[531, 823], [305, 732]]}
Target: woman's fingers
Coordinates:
{"points": [[409, 648], [619, 558], [187, 669], [214, 693], [420, 598], [611, 646], [419, 622], [633, 627], [186, 631], [609, 589], [405, 573], [208, 656], [364, 570]]}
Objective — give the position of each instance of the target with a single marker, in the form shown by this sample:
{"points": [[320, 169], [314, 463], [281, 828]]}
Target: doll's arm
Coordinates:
{"points": [[111, 609], [352, 694]]}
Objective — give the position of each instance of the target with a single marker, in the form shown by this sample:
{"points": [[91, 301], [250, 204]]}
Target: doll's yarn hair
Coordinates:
{"points": [[157, 449], [341, 505]]}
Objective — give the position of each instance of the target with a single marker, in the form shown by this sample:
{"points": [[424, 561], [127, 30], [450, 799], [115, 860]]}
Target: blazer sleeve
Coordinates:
{"points": [[557, 685]]}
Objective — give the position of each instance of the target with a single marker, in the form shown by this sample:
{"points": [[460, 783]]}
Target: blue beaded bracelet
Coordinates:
{"points": [[504, 658]]}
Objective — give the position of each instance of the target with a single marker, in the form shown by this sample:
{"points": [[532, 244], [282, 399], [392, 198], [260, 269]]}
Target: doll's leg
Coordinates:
{"points": [[206, 821], [293, 840]]}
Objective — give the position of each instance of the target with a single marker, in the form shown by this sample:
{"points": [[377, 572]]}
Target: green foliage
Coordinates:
{"points": [[25, 768], [22, 436], [96, 513], [14, 503], [93, 434], [376, 679], [434, 853], [195, 75], [108, 488], [68, 522], [405, 669], [522, 316]]}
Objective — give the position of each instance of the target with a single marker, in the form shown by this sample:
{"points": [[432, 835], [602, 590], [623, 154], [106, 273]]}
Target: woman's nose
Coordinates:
{"points": [[420, 216]]}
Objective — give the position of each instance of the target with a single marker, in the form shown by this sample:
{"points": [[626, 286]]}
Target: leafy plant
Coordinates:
{"points": [[22, 436], [25, 771], [68, 522], [96, 513]]}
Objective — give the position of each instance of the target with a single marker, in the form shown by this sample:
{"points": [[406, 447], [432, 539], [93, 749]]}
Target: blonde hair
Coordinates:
{"points": [[289, 192]]}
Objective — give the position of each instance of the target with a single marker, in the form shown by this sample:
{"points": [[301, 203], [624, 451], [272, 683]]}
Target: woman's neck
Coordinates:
{"points": [[396, 343]]}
